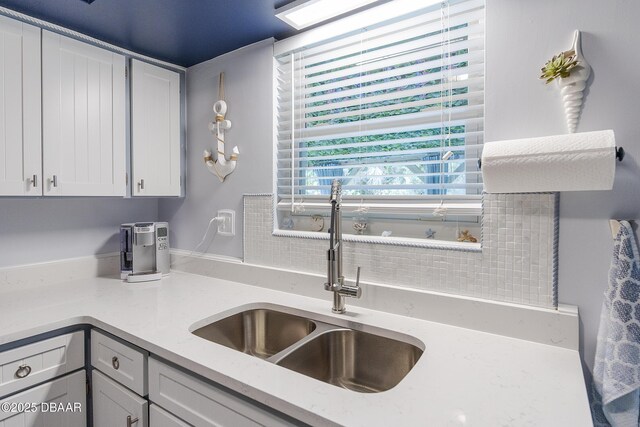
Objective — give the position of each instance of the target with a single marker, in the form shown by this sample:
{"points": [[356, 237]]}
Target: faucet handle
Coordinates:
{"points": [[354, 291]]}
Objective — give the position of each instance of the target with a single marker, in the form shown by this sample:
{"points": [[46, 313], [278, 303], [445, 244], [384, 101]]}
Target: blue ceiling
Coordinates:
{"points": [[183, 32]]}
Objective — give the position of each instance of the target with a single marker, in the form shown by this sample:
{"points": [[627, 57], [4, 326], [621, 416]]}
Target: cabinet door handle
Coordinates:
{"points": [[23, 371], [115, 362], [54, 180], [141, 184], [34, 180], [131, 421]]}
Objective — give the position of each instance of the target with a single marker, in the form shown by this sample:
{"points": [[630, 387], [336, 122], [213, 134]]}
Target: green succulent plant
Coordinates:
{"points": [[559, 66]]}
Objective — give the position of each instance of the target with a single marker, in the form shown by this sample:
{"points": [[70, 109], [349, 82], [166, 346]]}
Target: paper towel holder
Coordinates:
{"points": [[619, 155]]}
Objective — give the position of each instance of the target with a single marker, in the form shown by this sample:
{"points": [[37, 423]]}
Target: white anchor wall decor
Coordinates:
{"points": [[219, 165]]}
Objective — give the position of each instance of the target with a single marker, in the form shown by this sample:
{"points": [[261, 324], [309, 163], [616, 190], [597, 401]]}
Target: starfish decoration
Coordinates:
{"points": [[431, 234]]}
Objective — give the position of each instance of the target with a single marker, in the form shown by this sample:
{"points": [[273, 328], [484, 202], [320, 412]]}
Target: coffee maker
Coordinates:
{"points": [[144, 251]]}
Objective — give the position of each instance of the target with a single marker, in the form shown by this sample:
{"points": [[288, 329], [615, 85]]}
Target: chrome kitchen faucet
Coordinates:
{"points": [[335, 279]]}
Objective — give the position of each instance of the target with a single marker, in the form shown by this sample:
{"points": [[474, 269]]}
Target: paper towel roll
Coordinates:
{"points": [[573, 162]]}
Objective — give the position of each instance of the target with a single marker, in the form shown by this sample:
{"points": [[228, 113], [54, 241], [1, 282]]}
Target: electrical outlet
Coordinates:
{"points": [[227, 223]]}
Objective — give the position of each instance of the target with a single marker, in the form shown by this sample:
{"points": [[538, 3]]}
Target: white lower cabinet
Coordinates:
{"points": [[116, 406], [202, 404], [158, 417], [121, 375], [58, 403], [35, 363]]}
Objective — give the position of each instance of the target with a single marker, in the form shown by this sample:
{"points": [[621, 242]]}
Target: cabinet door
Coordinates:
{"points": [[20, 119], [202, 404], [113, 404], [158, 417], [60, 403], [83, 108], [155, 130]]}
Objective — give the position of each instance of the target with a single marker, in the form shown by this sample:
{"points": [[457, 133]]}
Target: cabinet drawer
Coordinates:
{"points": [[122, 362], [61, 402], [158, 417], [203, 404], [34, 363], [114, 404]]}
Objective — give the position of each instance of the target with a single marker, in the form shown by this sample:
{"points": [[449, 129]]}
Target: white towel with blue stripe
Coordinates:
{"points": [[616, 374]]}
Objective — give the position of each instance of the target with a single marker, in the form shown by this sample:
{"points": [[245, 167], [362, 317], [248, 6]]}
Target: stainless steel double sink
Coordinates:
{"points": [[345, 357]]}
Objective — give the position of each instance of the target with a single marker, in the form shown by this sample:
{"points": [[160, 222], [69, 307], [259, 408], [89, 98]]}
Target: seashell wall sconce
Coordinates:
{"points": [[571, 71]]}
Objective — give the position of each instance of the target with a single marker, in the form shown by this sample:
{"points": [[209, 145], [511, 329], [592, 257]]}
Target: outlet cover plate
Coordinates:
{"points": [[227, 225]]}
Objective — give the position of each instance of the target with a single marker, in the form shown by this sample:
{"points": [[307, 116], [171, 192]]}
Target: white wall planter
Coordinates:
{"points": [[572, 87]]}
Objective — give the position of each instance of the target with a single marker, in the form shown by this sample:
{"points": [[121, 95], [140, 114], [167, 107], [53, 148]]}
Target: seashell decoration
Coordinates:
{"points": [[360, 227], [466, 236], [571, 71], [572, 87]]}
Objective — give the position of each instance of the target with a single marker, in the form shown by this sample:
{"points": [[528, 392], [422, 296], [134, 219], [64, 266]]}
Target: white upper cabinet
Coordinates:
{"points": [[155, 130], [20, 120], [83, 119]]}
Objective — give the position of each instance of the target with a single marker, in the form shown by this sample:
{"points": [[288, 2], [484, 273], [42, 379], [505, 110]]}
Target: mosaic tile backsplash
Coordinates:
{"points": [[517, 263]]}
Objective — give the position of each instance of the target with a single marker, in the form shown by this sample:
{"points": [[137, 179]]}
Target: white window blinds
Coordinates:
{"points": [[393, 110]]}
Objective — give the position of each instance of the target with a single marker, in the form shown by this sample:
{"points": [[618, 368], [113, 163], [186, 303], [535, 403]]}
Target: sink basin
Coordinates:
{"points": [[260, 332], [354, 360]]}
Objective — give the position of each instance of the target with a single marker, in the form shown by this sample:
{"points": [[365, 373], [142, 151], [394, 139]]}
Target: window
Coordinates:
{"points": [[393, 109]]}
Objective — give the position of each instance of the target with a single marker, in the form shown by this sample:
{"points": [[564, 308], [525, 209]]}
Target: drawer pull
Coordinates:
{"points": [[116, 363], [23, 371], [131, 421]]}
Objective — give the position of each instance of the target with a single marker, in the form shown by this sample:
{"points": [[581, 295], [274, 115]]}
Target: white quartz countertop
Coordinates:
{"points": [[464, 377]]}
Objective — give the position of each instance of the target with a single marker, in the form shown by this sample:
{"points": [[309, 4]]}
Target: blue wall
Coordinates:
{"points": [[43, 229], [249, 95]]}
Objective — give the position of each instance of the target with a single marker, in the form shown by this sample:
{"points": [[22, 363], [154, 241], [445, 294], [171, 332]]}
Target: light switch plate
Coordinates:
{"points": [[227, 224]]}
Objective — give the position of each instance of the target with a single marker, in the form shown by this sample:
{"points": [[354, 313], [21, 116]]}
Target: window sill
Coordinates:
{"points": [[379, 240]]}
